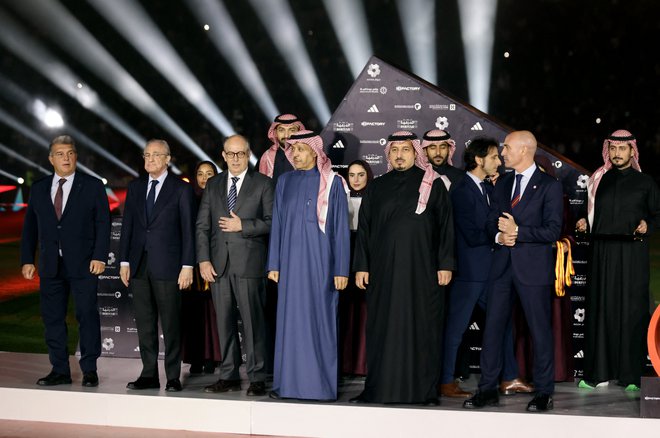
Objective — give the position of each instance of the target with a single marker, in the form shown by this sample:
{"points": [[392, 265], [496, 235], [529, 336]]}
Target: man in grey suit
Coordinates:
{"points": [[232, 233]]}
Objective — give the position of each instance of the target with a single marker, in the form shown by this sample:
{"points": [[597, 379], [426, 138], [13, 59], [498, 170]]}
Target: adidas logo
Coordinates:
{"points": [[339, 145], [373, 109], [474, 326], [579, 355], [477, 127]]}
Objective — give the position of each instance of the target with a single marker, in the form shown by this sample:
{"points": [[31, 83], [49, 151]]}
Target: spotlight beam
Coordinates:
{"points": [[277, 18], [139, 29], [69, 33], [225, 36], [22, 159], [16, 125], [418, 24], [82, 138], [350, 25], [478, 34], [10, 176]]}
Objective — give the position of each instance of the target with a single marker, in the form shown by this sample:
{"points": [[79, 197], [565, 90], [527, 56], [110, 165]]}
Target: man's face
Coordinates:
{"points": [[156, 159], [513, 151], [63, 158], [237, 156], [620, 155], [284, 131], [437, 153], [402, 155], [304, 158], [491, 162]]}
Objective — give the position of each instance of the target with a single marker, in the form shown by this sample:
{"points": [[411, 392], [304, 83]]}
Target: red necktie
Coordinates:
{"points": [[59, 196], [516, 192]]}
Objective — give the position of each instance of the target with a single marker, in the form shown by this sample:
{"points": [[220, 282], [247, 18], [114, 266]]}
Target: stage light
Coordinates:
{"points": [[20, 180], [478, 33], [48, 116], [206, 27], [104, 181], [63, 29], [277, 18], [18, 157], [138, 28], [418, 25], [598, 120], [228, 41], [506, 54], [350, 25]]}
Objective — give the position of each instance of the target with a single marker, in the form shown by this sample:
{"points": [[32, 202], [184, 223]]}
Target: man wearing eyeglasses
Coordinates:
{"points": [[69, 218], [157, 254], [232, 229]]}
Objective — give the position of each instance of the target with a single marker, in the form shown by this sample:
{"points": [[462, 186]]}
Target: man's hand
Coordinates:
{"points": [[125, 274], [207, 272], [28, 271], [230, 224], [506, 224], [185, 278], [444, 277], [641, 228], [341, 283], [274, 275], [581, 225], [506, 239], [493, 177], [361, 279], [96, 267]]}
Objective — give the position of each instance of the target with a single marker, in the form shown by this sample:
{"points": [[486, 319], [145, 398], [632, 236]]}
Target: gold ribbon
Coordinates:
{"points": [[563, 267]]}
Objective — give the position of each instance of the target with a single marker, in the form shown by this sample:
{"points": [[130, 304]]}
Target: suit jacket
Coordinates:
{"points": [[83, 231], [169, 238], [246, 250], [473, 244], [539, 218]]}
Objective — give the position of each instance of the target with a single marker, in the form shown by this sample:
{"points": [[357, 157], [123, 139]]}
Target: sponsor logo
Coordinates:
{"points": [[131, 330], [340, 166], [578, 335], [452, 107], [405, 88], [343, 126], [338, 145], [579, 315], [108, 277], [474, 326], [373, 158], [373, 123], [475, 348], [137, 348], [116, 224], [108, 311], [367, 90], [373, 70], [467, 143], [108, 344], [401, 106], [382, 141], [373, 109], [576, 201], [383, 90], [117, 294], [438, 106], [111, 258], [369, 141], [117, 329], [579, 280], [477, 127], [116, 235], [107, 329], [579, 355], [418, 106], [406, 124], [558, 164], [582, 181], [578, 298], [442, 122]]}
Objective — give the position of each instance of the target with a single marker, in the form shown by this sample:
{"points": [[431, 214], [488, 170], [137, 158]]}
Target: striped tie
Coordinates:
{"points": [[231, 198], [516, 192], [59, 198]]}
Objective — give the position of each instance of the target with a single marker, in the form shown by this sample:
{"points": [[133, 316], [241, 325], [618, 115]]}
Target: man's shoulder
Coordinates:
{"points": [[44, 180], [260, 178]]}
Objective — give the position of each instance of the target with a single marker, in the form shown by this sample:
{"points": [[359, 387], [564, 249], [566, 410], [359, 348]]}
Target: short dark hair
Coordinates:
{"points": [[62, 139], [478, 147]]}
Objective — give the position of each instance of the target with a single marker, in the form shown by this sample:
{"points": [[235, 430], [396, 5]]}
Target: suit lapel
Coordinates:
{"points": [[163, 197], [477, 192], [223, 191], [73, 194], [530, 191], [508, 188], [246, 186]]}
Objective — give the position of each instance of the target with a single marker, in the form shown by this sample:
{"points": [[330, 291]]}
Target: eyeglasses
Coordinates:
{"points": [[61, 154], [156, 155], [231, 155]]}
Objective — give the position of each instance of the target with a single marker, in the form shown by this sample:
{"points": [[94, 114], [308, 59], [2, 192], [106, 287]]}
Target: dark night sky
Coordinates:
{"points": [[571, 62]]}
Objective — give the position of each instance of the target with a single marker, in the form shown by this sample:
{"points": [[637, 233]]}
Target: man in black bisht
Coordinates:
{"points": [[404, 257], [440, 148], [623, 208]]}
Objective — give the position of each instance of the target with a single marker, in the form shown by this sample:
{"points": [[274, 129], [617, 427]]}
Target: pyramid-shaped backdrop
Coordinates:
{"points": [[385, 99]]}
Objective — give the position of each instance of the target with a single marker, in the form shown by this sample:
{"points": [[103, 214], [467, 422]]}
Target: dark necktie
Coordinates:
{"points": [[59, 198], [515, 199], [484, 192], [151, 199], [231, 198]]}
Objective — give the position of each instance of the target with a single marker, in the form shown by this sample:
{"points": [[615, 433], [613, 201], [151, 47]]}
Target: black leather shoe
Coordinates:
{"points": [[357, 400], [196, 368], [482, 399], [432, 402], [540, 403], [274, 395], [224, 386], [90, 379], [144, 383], [53, 379], [173, 385], [257, 389]]}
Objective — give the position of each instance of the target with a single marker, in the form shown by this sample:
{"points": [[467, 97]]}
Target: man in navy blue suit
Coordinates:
{"points": [[68, 216], [524, 221], [157, 254]]}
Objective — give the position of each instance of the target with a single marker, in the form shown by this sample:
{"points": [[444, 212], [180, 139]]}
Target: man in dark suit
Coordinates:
{"points": [[69, 218], [232, 229], [157, 254], [524, 220]]}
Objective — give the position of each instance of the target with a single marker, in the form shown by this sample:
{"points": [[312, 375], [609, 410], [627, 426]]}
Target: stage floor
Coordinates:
{"points": [[608, 411]]}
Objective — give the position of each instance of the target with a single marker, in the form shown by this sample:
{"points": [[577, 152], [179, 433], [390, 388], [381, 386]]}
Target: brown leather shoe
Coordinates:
{"points": [[518, 385], [453, 390]]}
